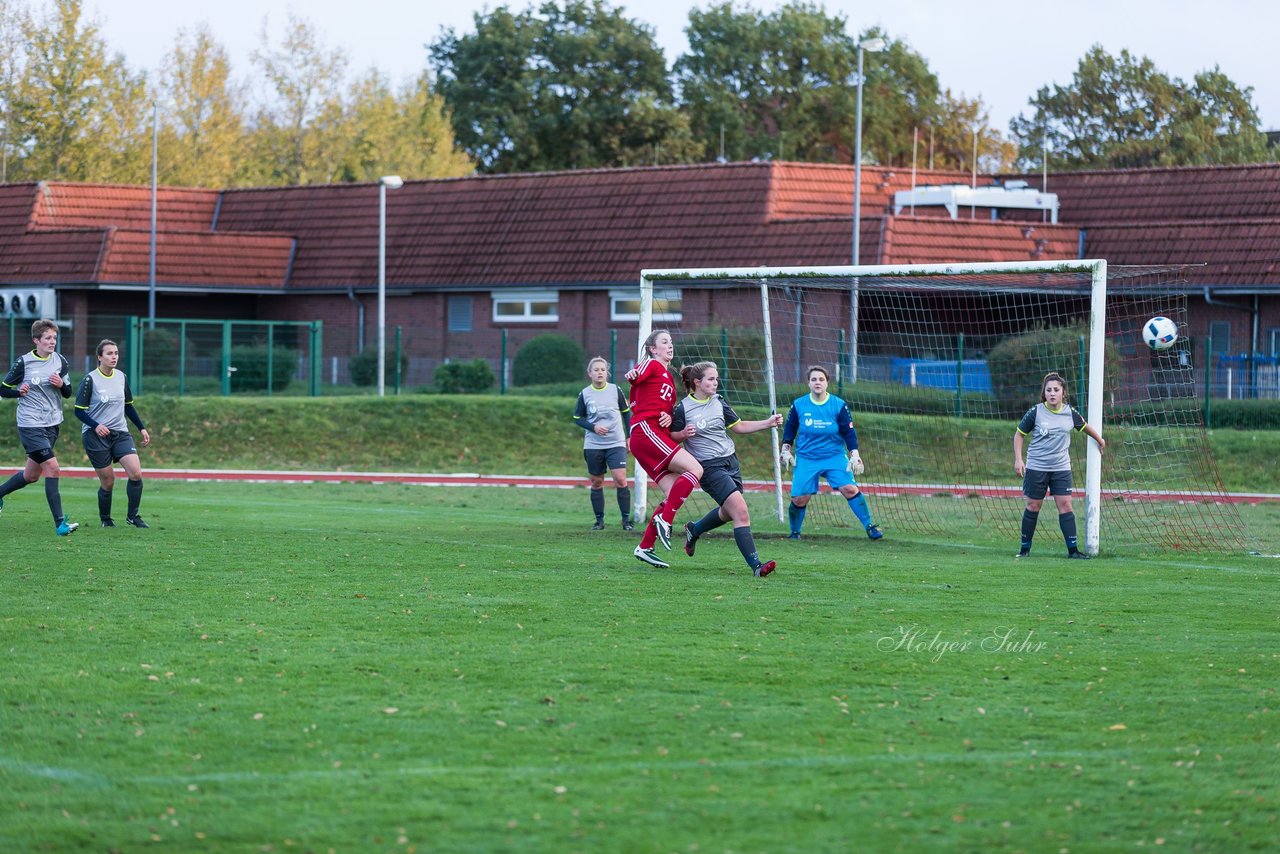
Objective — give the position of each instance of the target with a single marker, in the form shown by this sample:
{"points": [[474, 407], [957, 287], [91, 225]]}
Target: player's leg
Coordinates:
{"points": [[1035, 484], [106, 483], [717, 481], [594, 458], [617, 460], [804, 483], [133, 489], [736, 507], [688, 471], [842, 481], [1066, 516]]}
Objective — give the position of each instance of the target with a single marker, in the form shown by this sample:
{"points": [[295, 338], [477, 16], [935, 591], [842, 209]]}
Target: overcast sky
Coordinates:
{"points": [[1000, 50]]}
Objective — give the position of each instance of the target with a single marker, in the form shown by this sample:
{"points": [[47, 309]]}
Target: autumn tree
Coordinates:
{"points": [[563, 87], [1121, 112], [202, 138], [79, 113], [293, 137], [952, 137], [784, 84]]}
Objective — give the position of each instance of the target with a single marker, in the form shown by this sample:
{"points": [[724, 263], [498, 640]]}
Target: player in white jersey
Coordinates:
{"points": [[1048, 466], [102, 404], [711, 445], [40, 379]]}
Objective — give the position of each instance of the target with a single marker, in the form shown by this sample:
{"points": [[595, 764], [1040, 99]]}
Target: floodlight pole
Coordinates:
{"points": [[151, 278], [393, 182], [876, 44]]}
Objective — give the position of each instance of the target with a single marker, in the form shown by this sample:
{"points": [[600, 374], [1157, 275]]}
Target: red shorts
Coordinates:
{"points": [[652, 447]]}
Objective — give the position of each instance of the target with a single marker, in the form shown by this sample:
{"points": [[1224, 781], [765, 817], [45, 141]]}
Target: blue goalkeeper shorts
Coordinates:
{"points": [[834, 469]]}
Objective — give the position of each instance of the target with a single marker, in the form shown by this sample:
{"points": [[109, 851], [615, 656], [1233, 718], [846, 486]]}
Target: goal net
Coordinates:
{"points": [[937, 364]]}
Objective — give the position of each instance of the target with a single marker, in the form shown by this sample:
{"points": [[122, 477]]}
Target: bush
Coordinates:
{"points": [[474, 377], [364, 367], [549, 358], [250, 363], [1018, 364], [161, 347]]}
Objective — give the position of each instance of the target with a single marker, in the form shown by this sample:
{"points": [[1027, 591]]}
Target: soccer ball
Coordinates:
{"points": [[1160, 333]]}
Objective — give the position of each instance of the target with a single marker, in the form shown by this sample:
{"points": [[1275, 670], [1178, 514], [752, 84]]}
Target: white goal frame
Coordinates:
{"points": [[1096, 269]]}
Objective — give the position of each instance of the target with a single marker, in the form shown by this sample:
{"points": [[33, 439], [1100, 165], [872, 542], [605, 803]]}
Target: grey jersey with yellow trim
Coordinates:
{"points": [[1050, 432], [713, 417], [41, 406], [104, 398]]}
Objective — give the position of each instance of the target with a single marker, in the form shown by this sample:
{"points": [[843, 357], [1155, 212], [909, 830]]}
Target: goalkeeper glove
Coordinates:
{"points": [[855, 463], [787, 459]]}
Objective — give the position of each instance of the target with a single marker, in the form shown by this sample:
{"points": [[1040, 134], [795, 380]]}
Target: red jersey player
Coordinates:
{"points": [[653, 398]]}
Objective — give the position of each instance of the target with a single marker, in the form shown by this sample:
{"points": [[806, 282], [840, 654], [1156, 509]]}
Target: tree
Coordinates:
{"points": [[12, 64], [78, 112], [784, 85], [202, 140], [577, 86], [406, 133], [293, 141], [1123, 112], [952, 136]]}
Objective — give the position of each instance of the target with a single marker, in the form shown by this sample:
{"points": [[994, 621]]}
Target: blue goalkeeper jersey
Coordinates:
{"points": [[820, 430]]}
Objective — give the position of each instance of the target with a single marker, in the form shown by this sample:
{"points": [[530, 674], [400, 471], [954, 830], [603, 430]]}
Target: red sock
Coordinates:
{"points": [[680, 490], [650, 535]]}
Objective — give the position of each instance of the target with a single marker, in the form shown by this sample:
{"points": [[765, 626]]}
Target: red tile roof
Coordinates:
{"points": [[1166, 194], [196, 260], [61, 205], [1237, 252]]}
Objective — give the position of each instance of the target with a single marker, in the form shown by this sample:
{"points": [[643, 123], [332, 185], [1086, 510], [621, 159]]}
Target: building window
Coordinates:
{"points": [[1220, 336], [459, 314], [668, 305], [526, 307], [1274, 335]]}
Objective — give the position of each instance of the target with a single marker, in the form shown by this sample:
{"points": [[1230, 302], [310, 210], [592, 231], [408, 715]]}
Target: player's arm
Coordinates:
{"points": [[83, 398], [792, 427], [64, 375], [1088, 429], [679, 424], [1025, 426], [580, 413], [844, 424], [737, 425], [11, 386], [131, 412], [624, 412]]}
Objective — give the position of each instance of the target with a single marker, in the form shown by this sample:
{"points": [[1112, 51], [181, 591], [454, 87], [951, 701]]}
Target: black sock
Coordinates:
{"points": [[104, 503], [1067, 522], [597, 503], [747, 545], [13, 484], [624, 503], [133, 489], [55, 500], [1029, 518], [709, 522]]}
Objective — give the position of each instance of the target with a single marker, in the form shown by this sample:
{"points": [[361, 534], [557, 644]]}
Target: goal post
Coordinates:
{"points": [[925, 354]]}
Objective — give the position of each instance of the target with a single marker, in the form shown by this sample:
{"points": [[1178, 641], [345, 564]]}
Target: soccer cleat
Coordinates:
{"points": [[1077, 556], [794, 535], [108, 522], [627, 526], [65, 527], [648, 556], [874, 532], [663, 527], [598, 526], [1023, 553], [136, 521], [690, 539], [765, 568]]}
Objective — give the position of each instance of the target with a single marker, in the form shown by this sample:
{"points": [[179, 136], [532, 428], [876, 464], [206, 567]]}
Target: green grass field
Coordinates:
{"points": [[361, 667]]}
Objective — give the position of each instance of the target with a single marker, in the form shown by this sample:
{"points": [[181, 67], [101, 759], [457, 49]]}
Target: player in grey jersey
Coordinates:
{"points": [[710, 444], [40, 380], [102, 404], [602, 411], [1048, 467]]}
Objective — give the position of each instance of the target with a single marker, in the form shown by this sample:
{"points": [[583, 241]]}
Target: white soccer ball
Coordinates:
{"points": [[1160, 333]]}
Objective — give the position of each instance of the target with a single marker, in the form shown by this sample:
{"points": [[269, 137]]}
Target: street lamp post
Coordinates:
{"points": [[386, 182], [874, 45]]}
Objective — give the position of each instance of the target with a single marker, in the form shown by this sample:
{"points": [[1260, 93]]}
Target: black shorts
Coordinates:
{"points": [[721, 477], [38, 442], [105, 450], [1036, 483], [600, 460]]}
